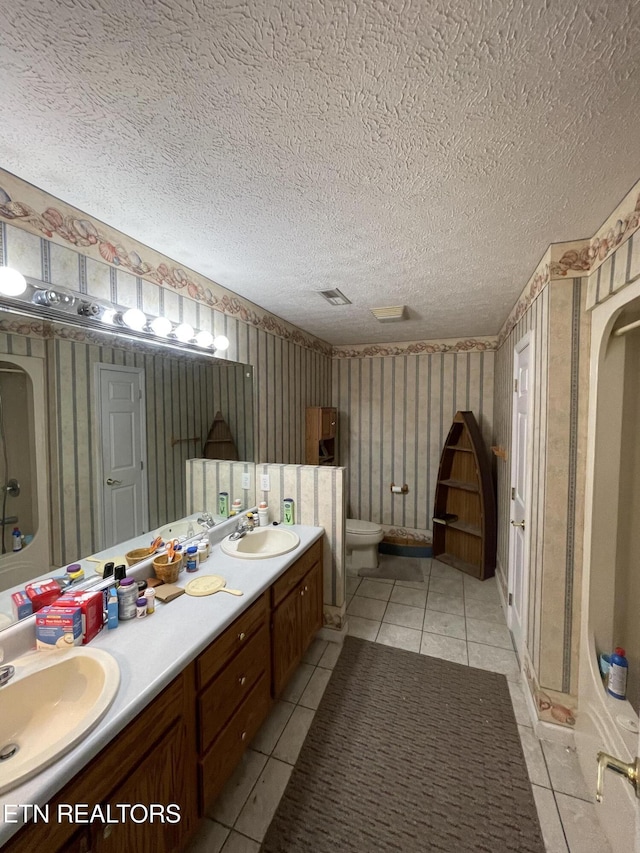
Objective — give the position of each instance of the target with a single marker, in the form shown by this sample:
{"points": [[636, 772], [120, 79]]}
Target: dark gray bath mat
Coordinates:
{"points": [[408, 753], [395, 568]]}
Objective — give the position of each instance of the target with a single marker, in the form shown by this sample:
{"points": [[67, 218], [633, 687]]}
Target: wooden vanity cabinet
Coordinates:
{"points": [[150, 761], [296, 599]]}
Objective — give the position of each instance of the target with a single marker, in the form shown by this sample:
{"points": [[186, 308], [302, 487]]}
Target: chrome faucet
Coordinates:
{"points": [[243, 527], [206, 520], [6, 673]]}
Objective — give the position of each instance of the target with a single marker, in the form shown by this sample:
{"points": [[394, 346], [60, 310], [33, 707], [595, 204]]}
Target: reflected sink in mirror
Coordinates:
{"points": [[261, 544], [53, 700]]}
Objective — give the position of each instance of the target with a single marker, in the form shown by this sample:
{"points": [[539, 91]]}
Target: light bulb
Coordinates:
{"points": [[204, 339], [135, 319], [160, 326], [108, 315], [221, 342], [184, 332], [12, 282]]}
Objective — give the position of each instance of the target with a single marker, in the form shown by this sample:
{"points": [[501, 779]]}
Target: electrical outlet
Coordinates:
{"points": [[265, 485], [246, 480]]}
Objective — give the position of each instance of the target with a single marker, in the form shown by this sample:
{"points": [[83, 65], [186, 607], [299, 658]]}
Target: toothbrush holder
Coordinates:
{"points": [[165, 571]]}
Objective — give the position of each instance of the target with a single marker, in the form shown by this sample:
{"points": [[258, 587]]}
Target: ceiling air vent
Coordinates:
{"points": [[335, 297], [390, 315]]}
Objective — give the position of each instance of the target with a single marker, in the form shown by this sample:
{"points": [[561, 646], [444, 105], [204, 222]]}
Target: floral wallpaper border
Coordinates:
{"points": [[483, 344], [620, 225], [29, 207]]}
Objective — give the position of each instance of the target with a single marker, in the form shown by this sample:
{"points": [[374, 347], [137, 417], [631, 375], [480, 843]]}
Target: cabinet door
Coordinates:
{"points": [[286, 645], [311, 605], [159, 779], [328, 427]]}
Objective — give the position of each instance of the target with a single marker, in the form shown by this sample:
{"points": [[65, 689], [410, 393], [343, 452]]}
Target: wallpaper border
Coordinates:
{"points": [[28, 207], [443, 345]]}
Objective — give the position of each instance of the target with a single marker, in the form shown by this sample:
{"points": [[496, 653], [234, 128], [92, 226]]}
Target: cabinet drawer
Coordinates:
{"points": [[213, 659], [294, 574], [225, 752], [230, 687]]}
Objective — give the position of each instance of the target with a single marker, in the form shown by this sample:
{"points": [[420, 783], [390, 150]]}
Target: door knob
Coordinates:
{"points": [[631, 772], [111, 482], [518, 523]]}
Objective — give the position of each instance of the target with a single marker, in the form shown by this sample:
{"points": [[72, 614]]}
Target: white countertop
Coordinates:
{"points": [[151, 652]]}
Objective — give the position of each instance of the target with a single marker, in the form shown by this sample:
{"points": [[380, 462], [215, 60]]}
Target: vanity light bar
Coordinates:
{"points": [[43, 300]]}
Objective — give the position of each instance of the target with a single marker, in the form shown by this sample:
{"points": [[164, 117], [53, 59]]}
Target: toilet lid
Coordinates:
{"points": [[356, 526]]}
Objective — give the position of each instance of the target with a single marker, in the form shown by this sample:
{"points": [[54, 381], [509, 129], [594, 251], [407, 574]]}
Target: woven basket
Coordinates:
{"points": [[167, 572], [133, 557]]}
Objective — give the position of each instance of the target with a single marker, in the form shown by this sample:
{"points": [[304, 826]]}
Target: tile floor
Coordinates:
{"points": [[447, 615]]}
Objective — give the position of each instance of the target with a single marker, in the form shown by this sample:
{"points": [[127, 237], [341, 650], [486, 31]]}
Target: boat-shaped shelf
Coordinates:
{"points": [[464, 518]]}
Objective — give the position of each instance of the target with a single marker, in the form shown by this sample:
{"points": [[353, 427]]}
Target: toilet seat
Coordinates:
{"points": [[355, 527]]}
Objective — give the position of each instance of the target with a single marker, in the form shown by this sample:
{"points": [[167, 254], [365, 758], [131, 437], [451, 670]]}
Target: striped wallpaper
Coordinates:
{"points": [[319, 496], [621, 267], [559, 327], [394, 415]]}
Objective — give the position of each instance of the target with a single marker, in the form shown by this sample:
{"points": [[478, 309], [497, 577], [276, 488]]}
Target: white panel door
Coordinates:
{"points": [[520, 480], [123, 446]]}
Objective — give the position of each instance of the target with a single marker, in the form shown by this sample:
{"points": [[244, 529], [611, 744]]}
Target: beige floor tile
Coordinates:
{"points": [[315, 652], [269, 732], [482, 610], [331, 654], [442, 570], [446, 586], [261, 806], [292, 738], [409, 596], [448, 624], [536, 767], [352, 585], [401, 614], [315, 688], [495, 660], [565, 772], [209, 838], [424, 585], [399, 637], [387, 581], [520, 708], [447, 648], [550, 824], [367, 608], [481, 590], [445, 603], [489, 633], [229, 804], [581, 825], [237, 843], [366, 629], [299, 680], [375, 589]]}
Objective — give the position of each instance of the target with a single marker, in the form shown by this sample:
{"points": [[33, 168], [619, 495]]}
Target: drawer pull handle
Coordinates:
{"points": [[301, 592], [242, 679], [306, 589], [106, 832], [241, 636], [243, 736]]}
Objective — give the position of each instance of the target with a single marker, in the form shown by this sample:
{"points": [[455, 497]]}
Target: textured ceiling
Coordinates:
{"points": [[420, 153]]}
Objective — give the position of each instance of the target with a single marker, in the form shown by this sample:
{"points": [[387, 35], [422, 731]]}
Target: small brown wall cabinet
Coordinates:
{"points": [[186, 743], [320, 435]]}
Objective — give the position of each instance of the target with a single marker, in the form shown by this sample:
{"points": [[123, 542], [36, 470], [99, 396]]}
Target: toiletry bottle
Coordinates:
{"points": [[223, 504], [288, 511], [263, 514], [203, 552], [192, 559], [237, 505], [17, 539], [127, 597], [150, 595], [618, 669]]}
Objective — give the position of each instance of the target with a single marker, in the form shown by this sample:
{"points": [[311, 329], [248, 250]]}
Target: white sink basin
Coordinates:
{"points": [[53, 700], [180, 530], [261, 544]]}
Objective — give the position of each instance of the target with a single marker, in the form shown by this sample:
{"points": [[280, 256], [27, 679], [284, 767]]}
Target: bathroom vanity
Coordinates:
{"points": [[197, 680]]}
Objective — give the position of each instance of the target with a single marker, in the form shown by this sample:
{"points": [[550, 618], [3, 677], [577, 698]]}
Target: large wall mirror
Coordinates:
{"points": [[55, 394]]}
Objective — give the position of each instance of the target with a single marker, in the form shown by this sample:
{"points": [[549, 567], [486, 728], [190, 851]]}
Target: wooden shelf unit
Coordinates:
{"points": [[465, 489], [320, 435]]}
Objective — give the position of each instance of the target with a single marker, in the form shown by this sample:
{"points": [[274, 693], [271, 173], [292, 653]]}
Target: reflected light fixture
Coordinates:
{"points": [[160, 326], [184, 332], [220, 342], [12, 282], [204, 339], [135, 319]]}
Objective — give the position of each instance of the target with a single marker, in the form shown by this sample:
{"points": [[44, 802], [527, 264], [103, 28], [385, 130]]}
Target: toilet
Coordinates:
{"points": [[362, 542]]}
